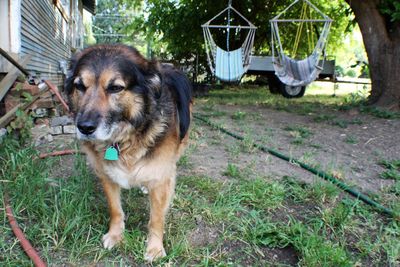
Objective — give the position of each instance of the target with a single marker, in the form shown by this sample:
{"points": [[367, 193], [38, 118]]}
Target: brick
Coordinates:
{"points": [[69, 129], [18, 88], [63, 120], [11, 101], [42, 121], [41, 112], [44, 139], [44, 103], [56, 130]]}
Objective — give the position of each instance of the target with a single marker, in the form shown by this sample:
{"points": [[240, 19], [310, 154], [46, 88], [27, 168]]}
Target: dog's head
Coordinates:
{"points": [[104, 86]]}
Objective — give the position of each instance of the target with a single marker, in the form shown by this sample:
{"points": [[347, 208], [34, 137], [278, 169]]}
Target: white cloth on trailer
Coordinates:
{"points": [[298, 72], [229, 65]]}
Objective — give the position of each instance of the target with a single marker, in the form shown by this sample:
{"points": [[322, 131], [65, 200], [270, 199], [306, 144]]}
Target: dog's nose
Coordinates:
{"points": [[87, 127], [87, 122]]}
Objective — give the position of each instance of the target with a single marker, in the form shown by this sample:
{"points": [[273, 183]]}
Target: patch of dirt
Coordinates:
{"points": [[351, 152], [264, 256], [281, 256], [203, 235], [64, 168], [47, 143]]}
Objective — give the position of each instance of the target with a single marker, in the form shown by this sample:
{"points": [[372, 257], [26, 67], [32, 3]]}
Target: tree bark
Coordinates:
{"points": [[382, 43]]}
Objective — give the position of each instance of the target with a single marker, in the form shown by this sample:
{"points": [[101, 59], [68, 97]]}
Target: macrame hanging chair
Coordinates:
{"points": [[302, 72], [228, 65]]}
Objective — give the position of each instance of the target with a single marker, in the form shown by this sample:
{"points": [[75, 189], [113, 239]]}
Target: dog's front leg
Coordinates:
{"points": [[117, 225], [160, 195]]}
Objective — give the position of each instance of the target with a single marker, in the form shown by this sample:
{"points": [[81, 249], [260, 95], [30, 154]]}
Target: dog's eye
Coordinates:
{"points": [[115, 88], [80, 87]]}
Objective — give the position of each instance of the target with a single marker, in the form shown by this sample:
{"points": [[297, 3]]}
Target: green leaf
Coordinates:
{"points": [[18, 87], [19, 113], [28, 96]]}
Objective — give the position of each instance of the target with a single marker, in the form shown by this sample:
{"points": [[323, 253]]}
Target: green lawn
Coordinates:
{"points": [[238, 221]]}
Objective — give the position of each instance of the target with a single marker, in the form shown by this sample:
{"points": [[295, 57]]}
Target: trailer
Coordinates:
{"points": [[262, 65]]}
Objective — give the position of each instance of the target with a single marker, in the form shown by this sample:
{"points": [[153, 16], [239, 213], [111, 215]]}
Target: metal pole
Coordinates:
{"points": [[227, 38]]}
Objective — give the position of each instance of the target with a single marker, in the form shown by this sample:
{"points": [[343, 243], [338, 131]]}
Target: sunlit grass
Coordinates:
{"points": [[212, 222]]}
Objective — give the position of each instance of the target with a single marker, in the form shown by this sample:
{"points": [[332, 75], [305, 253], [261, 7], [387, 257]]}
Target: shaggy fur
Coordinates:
{"points": [[142, 107]]}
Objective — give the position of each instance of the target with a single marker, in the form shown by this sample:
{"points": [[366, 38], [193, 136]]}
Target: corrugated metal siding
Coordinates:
{"points": [[44, 34]]}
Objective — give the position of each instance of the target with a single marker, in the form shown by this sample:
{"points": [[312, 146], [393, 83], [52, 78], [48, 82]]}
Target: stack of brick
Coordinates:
{"points": [[62, 125], [45, 106]]}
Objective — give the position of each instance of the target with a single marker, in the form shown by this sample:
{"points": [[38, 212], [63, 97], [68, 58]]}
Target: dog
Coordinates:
{"points": [[132, 117]]}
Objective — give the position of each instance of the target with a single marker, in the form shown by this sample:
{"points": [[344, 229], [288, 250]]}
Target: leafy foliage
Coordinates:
{"points": [[21, 125], [174, 27], [23, 122], [112, 23], [392, 9]]}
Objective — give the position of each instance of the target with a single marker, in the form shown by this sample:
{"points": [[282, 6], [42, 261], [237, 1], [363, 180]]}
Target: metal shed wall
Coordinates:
{"points": [[45, 35]]}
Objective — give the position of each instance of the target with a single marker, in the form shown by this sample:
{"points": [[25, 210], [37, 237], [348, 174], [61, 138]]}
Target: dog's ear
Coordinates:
{"points": [[69, 79], [152, 77], [182, 93]]}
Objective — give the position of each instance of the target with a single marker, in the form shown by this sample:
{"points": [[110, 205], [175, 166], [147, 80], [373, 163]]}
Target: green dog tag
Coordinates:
{"points": [[111, 153]]}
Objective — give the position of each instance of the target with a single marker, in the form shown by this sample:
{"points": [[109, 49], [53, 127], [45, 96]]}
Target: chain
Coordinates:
{"points": [[229, 24]]}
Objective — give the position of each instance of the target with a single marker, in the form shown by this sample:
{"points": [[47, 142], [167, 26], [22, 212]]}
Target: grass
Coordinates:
{"points": [[299, 133], [244, 219], [307, 105], [65, 219], [261, 96], [350, 139], [239, 115], [392, 169]]}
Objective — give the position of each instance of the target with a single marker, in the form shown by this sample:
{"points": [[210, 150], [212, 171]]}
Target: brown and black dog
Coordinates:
{"points": [[132, 117]]}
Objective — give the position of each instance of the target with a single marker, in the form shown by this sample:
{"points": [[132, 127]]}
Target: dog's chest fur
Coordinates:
{"points": [[134, 167]]}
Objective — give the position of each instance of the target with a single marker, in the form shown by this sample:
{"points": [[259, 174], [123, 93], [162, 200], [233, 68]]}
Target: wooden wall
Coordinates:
{"points": [[45, 35]]}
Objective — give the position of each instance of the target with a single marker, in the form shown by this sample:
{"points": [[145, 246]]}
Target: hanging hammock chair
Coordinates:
{"points": [[228, 65], [295, 72]]}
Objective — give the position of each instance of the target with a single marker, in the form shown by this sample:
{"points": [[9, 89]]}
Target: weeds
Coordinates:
{"points": [[239, 115], [65, 219], [392, 169], [232, 171], [299, 133], [324, 118], [247, 144], [350, 139], [391, 174], [380, 113]]}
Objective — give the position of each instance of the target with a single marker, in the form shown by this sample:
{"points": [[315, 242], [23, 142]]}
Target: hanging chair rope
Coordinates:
{"points": [[228, 65], [299, 72], [299, 30]]}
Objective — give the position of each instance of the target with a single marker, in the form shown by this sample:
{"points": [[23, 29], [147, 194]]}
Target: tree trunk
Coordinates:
{"points": [[382, 43]]}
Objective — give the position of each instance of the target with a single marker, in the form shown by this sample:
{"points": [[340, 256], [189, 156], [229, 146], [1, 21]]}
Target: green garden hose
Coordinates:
{"points": [[317, 172]]}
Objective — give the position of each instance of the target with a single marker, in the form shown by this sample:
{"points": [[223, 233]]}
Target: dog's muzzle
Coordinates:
{"points": [[88, 122]]}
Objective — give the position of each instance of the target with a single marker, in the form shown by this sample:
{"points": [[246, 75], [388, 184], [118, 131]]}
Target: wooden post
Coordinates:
{"points": [[11, 76]]}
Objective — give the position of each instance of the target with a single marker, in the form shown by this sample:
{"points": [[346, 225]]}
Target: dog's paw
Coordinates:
{"points": [[153, 253], [110, 240]]}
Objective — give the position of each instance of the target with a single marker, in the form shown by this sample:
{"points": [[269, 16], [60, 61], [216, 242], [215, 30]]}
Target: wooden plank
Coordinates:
{"points": [[42, 30], [11, 76], [13, 61], [40, 21], [9, 116], [33, 34]]}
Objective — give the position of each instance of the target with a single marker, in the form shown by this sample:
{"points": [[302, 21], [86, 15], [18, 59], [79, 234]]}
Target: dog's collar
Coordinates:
{"points": [[112, 152]]}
